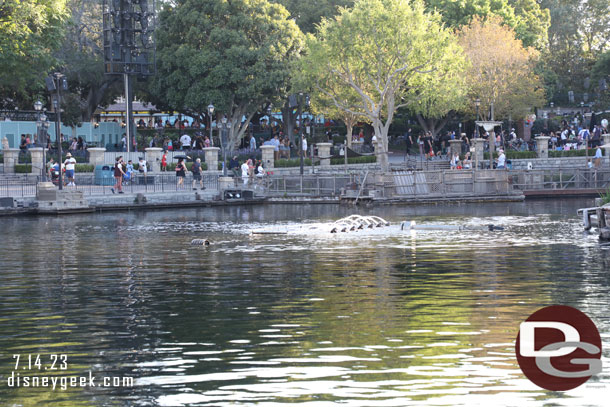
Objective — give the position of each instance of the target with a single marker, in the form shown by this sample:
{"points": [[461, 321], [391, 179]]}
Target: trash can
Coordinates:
{"points": [[103, 175]]}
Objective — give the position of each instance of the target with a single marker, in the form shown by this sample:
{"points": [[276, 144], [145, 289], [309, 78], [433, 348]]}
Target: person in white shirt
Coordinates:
{"points": [[185, 141], [142, 168], [304, 146], [70, 165], [501, 160], [244, 172]]}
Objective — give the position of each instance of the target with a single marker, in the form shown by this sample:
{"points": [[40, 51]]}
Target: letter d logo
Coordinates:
{"points": [[558, 348]]}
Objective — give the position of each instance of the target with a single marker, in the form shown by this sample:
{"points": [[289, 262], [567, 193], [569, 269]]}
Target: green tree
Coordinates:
{"points": [[308, 14], [234, 54], [384, 51], [81, 54], [29, 33], [526, 17], [501, 70]]}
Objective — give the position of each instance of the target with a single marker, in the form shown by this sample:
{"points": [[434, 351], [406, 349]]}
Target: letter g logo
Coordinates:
{"points": [[558, 348]]}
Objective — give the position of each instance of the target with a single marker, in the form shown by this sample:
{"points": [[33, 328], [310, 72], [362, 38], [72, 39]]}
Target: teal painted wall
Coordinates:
{"points": [[107, 132]]}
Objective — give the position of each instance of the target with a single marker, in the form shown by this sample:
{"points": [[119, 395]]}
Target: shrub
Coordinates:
{"points": [[572, 153], [23, 168], [84, 168], [605, 197], [365, 159], [514, 155], [295, 162]]}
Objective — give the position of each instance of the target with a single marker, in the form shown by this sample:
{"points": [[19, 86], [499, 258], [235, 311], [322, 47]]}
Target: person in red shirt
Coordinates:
{"points": [[164, 162]]}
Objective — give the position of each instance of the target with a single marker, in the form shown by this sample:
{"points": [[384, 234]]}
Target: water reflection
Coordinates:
{"points": [[426, 318]]}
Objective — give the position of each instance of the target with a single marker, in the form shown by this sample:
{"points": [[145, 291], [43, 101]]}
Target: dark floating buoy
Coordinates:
{"points": [[200, 242]]}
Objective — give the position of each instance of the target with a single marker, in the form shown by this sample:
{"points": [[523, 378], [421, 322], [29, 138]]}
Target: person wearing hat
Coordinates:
{"points": [[69, 165], [118, 175], [501, 160]]}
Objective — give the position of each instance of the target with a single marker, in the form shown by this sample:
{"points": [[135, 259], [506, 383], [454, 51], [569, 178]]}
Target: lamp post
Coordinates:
{"points": [[477, 104], [210, 113], [582, 109], [40, 129], [57, 82], [223, 126]]}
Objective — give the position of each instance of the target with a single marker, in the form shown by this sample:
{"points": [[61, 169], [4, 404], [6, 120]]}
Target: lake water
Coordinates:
{"points": [[383, 319]]}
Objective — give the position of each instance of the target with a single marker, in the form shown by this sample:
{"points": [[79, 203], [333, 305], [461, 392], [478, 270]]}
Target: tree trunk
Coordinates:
{"points": [[381, 149]]}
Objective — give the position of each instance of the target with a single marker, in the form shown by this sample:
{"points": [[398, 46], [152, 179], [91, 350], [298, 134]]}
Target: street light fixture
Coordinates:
{"points": [[41, 126], [210, 113], [477, 103], [223, 139]]}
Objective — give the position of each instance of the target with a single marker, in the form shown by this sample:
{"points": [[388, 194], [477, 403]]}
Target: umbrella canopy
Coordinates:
{"points": [[184, 157]]}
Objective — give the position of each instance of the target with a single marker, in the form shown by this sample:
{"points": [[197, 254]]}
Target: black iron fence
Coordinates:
{"points": [[91, 185]]}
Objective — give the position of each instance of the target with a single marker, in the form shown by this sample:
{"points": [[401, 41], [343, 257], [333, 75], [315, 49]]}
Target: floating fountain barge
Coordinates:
{"points": [[597, 217]]}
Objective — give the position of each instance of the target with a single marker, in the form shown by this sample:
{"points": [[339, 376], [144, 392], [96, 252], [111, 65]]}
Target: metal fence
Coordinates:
{"points": [[322, 185], [18, 188], [90, 185], [452, 183], [560, 179]]}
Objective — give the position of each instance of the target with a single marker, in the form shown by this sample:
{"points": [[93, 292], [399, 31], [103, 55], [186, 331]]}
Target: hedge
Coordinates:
{"points": [[23, 168], [83, 168], [365, 159], [514, 155], [573, 153], [295, 162]]}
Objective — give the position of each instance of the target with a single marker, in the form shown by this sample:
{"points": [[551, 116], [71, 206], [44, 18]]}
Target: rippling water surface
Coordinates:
{"points": [[377, 319]]}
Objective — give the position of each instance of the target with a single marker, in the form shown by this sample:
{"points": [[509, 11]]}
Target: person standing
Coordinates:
{"points": [[304, 146], [70, 165], [244, 172], [252, 143], [142, 167], [128, 172], [196, 169], [185, 140], [501, 160], [180, 171], [164, 162], [598, 157], [118, 175]]}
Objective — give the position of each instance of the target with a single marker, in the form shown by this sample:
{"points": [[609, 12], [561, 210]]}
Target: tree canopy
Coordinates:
{"points": [[308, 14], [383, 51], [526, 17], [234, 54], [501, 70], [30, 31]]}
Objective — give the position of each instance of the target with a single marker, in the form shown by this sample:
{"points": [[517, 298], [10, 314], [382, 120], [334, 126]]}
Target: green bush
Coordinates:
{"points": [[23, 168], [514, 155], [572, 153], [84, 168], [294, 162], [365, 159], [605, 197]]}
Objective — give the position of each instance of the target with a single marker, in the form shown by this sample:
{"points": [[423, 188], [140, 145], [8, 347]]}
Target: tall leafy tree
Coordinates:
{"points": [[29, 33], [383, 50], [235, 54], [308, 14], [526, 17], [81, 55], [501, 70]]}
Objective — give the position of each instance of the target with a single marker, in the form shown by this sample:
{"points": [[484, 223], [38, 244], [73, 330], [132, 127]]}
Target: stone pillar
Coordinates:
{"points": [[225, 183], [37, 164], [455, 146], [479, 151], [153, 158], [542, 145], [357, 145], [324, 153], [606, 138], [5, 144], [268, 159], [96, 156], [11, 158], [211, 158]]}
